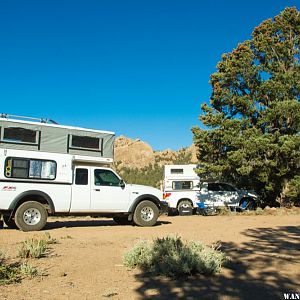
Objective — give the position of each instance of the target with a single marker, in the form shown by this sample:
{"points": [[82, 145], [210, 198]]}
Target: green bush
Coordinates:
{"points": [[171, 257], [8, 274], [32, 248], [36, 247], [28, 270], [49, 239]]}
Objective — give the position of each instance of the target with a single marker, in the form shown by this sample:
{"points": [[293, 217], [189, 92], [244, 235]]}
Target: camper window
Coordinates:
{"points": [[182, 185], [176, 171], [85, 143], [19, 135], [30, 168]]}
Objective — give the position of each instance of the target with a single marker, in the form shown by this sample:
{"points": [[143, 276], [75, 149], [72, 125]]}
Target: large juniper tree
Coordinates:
{"points": [[251, 134]]}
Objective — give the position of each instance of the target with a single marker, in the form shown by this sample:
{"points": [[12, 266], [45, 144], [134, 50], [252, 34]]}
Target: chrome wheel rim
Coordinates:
{"points": [[147, 214], [185, 205], [31, 216]]}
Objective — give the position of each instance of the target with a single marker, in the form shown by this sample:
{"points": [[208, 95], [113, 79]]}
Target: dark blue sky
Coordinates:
{"points": [[137, 67]]}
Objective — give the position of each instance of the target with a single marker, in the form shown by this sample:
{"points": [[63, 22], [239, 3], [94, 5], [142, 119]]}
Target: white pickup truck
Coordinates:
{"points": [[38, 185], [48, 169]]}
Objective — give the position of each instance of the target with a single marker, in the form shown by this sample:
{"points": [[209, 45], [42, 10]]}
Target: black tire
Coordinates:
{"points": [[146, 214], [185, 208], [31, 216], [122, 220], [248, 204], [10, 221]]}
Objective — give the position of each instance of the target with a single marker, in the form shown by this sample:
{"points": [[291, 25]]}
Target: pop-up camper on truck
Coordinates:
{"points": [[49, 169]]}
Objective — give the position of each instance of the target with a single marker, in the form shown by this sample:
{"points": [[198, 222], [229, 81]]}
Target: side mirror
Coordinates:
{"points": [[122, 183]]}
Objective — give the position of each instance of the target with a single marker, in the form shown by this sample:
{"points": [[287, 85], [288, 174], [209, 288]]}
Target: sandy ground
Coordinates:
{"points": [[87, 261]]}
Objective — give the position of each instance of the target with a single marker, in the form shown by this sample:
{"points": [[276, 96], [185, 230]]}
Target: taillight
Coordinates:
{"points": [[166, 195]]}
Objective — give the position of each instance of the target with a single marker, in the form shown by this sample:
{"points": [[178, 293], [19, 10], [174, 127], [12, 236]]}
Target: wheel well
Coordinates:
{"points": [[33, 197], [246, 198], [185, 199], [140, 199]]}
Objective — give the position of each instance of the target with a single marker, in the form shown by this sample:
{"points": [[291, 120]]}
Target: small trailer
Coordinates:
{"points": [[181, 186]]}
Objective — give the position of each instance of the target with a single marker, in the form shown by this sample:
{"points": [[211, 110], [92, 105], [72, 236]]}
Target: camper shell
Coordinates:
{"points": [[180, 186]]}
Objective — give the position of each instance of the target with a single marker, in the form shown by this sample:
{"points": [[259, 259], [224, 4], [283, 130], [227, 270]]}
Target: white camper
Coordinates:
{"points": [[180, 188], [48, 169]]}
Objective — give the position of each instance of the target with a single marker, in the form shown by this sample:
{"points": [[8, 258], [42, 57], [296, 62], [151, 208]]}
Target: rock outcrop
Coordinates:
{"points": [[138, 154]]}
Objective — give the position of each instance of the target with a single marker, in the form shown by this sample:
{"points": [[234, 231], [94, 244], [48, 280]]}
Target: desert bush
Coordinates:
{"points": [[49, 239], [28, 270], [171, 257], [32, 248], [36, 247], [8, 274]]}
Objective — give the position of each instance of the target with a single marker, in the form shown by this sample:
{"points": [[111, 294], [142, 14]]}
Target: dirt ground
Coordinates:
{"points": [[87, 261]]}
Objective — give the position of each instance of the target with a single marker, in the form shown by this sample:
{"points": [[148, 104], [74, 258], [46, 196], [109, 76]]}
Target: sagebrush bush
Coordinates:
{"points": [[171, 257]]}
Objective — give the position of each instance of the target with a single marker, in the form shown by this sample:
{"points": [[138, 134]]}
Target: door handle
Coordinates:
{"points": [[97, 190]]}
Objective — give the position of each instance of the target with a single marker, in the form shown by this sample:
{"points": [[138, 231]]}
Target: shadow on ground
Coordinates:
{"points": [[54, 224], [259, 269]]}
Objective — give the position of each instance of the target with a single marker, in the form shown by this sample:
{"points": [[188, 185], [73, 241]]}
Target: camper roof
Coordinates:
{"points": [[40, 136]]}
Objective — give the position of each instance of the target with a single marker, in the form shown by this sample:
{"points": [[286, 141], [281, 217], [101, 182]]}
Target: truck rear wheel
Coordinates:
{"points": [[185, 208], [145, 214], [31, 216]]}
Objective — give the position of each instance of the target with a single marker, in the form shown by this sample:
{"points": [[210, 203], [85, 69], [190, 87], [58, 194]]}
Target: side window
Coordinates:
{"points": [[214, 187], [20, 135], [106, 178], [85, 143], [81, 177], [30, 168], [227, 187], [182, 185]]}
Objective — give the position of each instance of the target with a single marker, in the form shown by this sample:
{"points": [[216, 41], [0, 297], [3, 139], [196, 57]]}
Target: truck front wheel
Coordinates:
{"points": [[145, 214], [31, 216]]}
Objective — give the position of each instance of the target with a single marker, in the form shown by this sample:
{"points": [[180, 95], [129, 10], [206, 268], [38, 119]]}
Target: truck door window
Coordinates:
{"points": [[106, 178], [182, 185], [81, 177]]}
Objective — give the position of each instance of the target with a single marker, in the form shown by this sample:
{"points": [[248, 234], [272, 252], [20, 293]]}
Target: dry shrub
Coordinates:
{"points": [[171, 257]]}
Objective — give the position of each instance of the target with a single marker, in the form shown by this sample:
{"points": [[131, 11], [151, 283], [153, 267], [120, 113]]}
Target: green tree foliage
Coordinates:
{"points": [[152, 175], [251, 134]]}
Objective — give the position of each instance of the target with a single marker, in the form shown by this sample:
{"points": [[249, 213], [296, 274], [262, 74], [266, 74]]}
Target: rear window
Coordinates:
{"points": [[182, 185], [176, 171]]}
